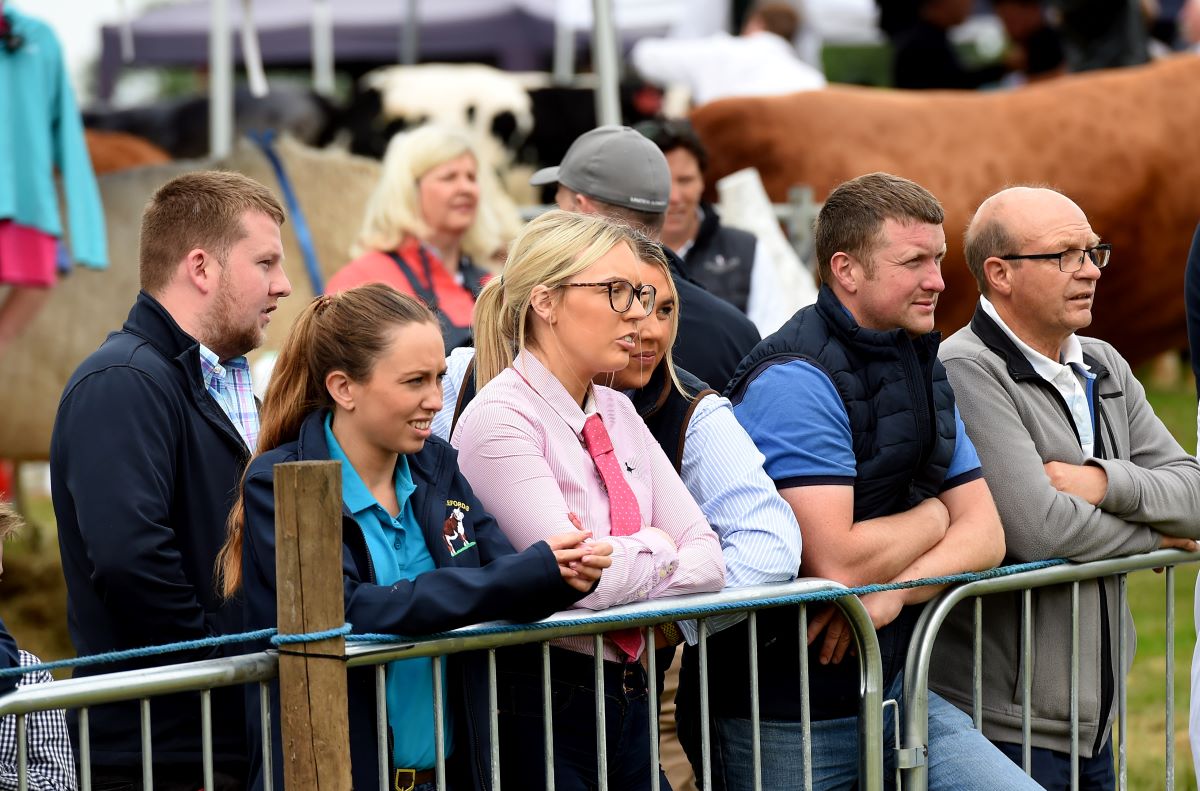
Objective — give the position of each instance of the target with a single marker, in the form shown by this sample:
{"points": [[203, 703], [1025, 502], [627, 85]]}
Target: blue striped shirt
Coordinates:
{"points": [[230, 386], [723, 471]]}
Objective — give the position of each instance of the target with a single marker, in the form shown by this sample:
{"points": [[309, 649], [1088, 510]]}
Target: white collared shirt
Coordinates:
{"points": [[1067, 376]]}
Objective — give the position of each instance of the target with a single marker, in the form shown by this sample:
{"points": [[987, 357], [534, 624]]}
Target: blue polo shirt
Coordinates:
{"points": [[809, 441], [398, 552]]}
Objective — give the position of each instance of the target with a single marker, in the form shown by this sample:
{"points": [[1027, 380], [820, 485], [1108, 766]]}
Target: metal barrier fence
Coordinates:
{"points": [[916, 673], [262, 668]]}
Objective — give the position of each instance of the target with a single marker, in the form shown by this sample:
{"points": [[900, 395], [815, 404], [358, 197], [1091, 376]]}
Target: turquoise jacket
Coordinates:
{"points": [[40, 130]]}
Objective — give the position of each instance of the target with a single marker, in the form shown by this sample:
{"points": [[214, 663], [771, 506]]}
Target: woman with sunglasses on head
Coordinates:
{"points": [[357, 381], [544, 448]]}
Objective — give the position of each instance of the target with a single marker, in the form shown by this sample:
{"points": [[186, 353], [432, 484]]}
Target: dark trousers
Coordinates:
{"points": [[573, 705], [166, 778], [1052, 769]]}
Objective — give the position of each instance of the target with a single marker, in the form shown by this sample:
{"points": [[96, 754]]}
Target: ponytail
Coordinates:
{"points": [[335, 332]]}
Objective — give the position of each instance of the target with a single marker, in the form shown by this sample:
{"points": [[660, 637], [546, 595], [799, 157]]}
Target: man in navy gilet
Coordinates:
{"points": [[855, 416]]}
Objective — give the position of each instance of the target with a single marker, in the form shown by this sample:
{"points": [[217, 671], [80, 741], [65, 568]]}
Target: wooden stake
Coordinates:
{"points": [[309, 596]]}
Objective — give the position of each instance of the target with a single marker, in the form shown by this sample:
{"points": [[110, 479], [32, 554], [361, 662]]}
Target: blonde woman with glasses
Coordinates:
{"points": [[545, 448]]}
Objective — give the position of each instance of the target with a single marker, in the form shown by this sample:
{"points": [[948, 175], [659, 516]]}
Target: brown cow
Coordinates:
{"points": [[113, 151], [1122, 144]]}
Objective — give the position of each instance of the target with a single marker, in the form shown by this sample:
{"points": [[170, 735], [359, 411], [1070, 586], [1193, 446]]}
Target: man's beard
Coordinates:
{"points": [[221, 335]]}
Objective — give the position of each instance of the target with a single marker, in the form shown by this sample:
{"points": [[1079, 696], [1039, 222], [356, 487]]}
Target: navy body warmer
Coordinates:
{"points": [[901, 411], [721, 259]]}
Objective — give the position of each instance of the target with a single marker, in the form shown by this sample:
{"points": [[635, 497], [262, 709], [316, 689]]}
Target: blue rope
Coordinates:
{"points": [[599, 618], [311, 637], [135, 653], [308, 250], [682, 613]]}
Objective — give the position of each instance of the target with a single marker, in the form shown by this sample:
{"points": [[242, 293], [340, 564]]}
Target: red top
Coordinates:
{"points": [[453, 300]]}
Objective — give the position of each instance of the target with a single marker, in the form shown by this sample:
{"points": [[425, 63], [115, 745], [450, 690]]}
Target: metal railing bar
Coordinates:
{"points": [[585, 622], [1122, 653], [1026, 679], [142, 683], [382, 759], [870, 693], [755, 722], [548, 717], [147, 747], [85, 752], [22, 753], [1075, 686], [206, 737], [1170, 680], [601, 714], [805, 703], [916, 672], [268, 754], [493, 718], [652, 698], [977, 671], [705, 711], [439, 725]]}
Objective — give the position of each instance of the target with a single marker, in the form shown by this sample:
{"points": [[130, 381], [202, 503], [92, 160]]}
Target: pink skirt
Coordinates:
{"points": [[27, 256]]}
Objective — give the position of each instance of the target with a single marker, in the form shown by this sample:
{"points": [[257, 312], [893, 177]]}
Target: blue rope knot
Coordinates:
{"points": [[311, 637]]}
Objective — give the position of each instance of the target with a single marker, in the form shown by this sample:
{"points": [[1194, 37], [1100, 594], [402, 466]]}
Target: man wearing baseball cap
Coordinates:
{"points": [[617, 172]]}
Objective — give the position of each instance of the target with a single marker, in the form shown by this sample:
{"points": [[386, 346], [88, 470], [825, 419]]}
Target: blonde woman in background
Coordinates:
{"points": [[433, 226]]}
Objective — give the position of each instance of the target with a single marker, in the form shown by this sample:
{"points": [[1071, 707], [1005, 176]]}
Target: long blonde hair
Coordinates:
{"points": [[550, 250], [394, 209], [346, 332]]}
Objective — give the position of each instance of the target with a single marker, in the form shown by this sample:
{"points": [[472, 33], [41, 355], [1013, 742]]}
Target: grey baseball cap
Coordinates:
{"points": [[617, 165]]}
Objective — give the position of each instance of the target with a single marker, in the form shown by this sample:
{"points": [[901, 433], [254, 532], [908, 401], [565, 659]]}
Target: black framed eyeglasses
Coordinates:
{"points": [[621, 293], [1070, 260]]}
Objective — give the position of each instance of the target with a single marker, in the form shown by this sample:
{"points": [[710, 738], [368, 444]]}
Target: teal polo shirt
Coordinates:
{"points": [[398, 552]]}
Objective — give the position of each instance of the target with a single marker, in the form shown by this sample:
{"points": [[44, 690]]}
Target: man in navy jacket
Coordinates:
{"points": [[153, 432]]}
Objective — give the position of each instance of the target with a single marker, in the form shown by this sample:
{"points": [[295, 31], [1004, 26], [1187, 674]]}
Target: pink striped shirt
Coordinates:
{"points": [[521, 448]]}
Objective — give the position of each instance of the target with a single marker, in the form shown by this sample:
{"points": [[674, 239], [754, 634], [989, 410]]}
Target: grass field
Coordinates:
{"points": [[1147, 598], [34, 608]]}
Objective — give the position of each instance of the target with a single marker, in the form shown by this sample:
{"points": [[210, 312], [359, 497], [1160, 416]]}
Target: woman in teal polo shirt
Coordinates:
{"points": [[358, 381]]}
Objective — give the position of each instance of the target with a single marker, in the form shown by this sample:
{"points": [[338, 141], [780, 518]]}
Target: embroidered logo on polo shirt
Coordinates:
{"points": [[454, 530]]}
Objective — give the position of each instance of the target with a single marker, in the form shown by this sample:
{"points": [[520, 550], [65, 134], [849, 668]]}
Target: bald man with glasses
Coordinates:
{"points": [[1080, 468]]}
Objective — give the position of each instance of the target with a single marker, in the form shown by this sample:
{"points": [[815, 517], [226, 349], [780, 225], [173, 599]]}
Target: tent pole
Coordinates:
{"points": [[564, 46], [411, 37], [220, 82], [322, 47], [607, 63]]}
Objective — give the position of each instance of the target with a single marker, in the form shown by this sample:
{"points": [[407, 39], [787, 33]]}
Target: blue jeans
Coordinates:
{"points": [[960, 758], [1052, 768]]}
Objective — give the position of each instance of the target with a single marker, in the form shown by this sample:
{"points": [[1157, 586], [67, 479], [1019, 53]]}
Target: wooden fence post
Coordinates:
{"points": [[309, 595]]}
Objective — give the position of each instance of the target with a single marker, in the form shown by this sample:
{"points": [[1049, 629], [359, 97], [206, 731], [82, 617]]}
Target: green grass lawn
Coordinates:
{"points": [[1147, 600]]}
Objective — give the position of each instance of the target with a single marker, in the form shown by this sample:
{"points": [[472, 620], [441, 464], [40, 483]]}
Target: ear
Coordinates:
{"points": [[847, 272], [341, 389], [584, 204], [998, 274], [543, 303], [201, 270]]}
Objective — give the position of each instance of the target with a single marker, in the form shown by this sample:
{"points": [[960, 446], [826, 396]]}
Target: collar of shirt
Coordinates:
{"points": [[1071, 352], [552, 391], [231, 386], [355, 494]]}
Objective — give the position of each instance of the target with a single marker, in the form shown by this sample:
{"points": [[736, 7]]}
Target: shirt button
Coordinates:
{"points": [[398, 544]]}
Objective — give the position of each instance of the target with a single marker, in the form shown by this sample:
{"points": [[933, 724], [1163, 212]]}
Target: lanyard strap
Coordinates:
{"points": [[423, 290]]}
